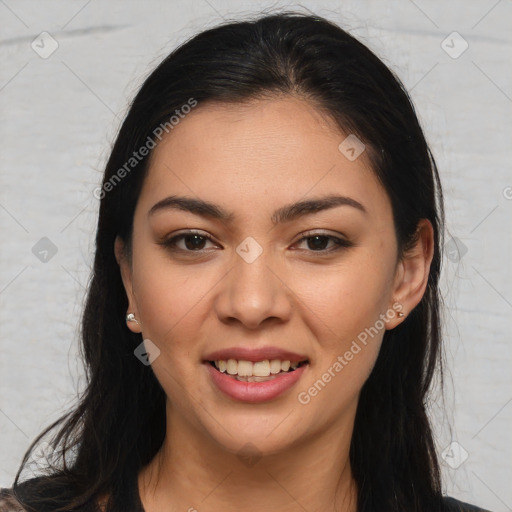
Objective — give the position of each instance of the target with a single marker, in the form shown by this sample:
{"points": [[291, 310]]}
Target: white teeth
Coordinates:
{"points": [[244, 368], [263, 368], [260, 369], [275, 366], [232, 366]]}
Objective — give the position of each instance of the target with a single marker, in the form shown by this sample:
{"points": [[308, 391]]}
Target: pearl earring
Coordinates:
{"points": [[130, 317]]}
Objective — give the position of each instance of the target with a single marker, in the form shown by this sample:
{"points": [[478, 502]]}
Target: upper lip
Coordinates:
{"points": [[255, 354]]}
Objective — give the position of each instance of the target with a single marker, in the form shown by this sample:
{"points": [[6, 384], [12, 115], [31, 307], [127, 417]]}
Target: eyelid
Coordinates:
{"points": [[169, 241], [340, 241], [311, 233]]}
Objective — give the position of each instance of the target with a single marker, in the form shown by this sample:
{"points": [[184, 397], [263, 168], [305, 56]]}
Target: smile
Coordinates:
{"points": [[258, 371], [254, 382]]}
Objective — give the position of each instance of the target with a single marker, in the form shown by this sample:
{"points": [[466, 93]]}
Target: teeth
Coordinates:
{"points": [[263, 368], [232, 367], [260, 369], [275, 366], [244, 368]]}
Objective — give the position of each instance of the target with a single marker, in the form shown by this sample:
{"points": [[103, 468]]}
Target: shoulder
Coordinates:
{"points": [[9, 503], [453, 505]]}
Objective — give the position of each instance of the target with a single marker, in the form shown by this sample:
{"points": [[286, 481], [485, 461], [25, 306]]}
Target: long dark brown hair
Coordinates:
{"points": [[118, 424]]}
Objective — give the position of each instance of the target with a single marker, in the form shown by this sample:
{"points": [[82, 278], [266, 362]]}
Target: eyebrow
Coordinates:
{"points": [[284, 214], [310, 206], [197, 206]]}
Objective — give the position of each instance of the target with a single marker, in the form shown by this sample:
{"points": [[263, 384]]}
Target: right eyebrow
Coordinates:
{"points": [[196, 206]]}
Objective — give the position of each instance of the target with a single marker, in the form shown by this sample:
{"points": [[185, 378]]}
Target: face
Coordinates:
{"points": [[238, 270]]}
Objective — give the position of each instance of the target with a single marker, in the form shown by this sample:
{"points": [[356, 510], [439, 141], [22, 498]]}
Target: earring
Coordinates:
{"points": [[130, 317], [401, 314]]}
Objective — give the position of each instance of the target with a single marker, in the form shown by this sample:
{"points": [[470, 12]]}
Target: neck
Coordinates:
{"points": [[192, 472]]}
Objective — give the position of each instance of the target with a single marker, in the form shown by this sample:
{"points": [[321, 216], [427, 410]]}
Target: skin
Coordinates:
{"points": [[251, 159]]}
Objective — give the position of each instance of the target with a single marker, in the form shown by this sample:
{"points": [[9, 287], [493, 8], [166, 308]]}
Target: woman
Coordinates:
{"points": [[263, 321]]}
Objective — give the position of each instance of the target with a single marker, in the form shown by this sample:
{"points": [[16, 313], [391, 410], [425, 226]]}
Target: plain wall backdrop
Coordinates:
{"points": [[62, 97]]}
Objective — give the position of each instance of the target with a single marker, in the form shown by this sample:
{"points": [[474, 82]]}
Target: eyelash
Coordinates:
{"points": [[340, 243], [170, 243]]}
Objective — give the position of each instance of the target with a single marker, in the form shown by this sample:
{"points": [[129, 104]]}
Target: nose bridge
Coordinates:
{"points": [[251, 292]]}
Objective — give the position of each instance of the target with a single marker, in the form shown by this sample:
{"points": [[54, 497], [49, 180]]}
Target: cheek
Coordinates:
{"points": [[344, 307], [348, 297], [172, 301], [170, 297], [343, 312]]}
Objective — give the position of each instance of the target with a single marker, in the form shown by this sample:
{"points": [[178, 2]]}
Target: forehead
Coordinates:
{"points": [[268, 150]]}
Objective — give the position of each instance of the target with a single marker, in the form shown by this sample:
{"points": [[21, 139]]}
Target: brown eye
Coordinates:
{"points": [[323, 243], [188, 242], [317, 242], [193, 242]]}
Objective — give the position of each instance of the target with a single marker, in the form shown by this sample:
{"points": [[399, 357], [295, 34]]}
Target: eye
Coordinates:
{"points": [[190, 241], [319, 242]]}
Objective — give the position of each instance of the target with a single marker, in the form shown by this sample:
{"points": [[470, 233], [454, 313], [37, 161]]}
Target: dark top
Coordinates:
{"points": [[132, 503]]}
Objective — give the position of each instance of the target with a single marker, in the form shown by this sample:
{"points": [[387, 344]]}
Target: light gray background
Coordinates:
{"points": [[60, 115]]}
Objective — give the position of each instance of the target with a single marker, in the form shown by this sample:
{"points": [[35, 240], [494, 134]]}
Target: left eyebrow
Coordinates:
{"points": [[310, 206]]}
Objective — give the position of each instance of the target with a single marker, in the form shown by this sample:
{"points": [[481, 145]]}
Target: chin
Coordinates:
{"points": [[254, 438]]}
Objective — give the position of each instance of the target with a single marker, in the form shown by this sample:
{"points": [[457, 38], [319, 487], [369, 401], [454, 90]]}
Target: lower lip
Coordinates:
{"points": [[255, 392]]}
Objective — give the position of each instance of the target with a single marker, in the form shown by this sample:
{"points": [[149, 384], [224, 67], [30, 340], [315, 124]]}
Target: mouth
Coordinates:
{"points": [[256, 371], [256, 381]]}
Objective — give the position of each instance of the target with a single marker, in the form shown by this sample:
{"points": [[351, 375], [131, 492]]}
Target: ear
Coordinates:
{"points": [[412, 273], [126, 276]]}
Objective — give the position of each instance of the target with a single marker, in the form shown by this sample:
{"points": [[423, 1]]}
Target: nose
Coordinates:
{"points": [[252, 294]]}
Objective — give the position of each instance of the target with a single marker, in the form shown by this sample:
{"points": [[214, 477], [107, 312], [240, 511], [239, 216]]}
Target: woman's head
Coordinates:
{"points": [[253, 231], [296, 158]]}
